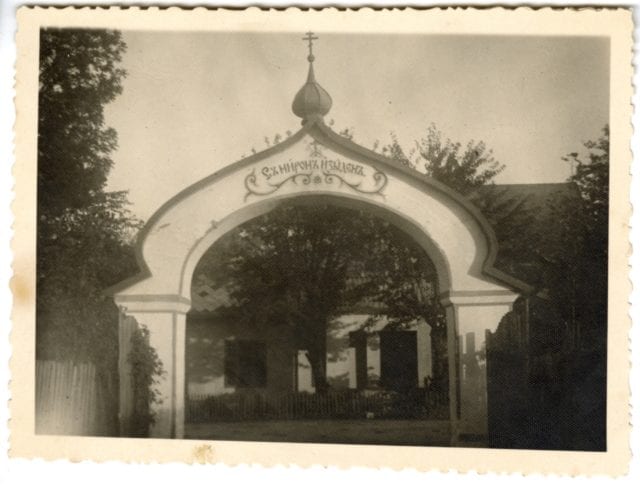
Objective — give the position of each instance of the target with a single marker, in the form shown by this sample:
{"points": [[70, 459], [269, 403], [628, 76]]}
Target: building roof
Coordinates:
{"points": [[538, 195], [205, 296]]}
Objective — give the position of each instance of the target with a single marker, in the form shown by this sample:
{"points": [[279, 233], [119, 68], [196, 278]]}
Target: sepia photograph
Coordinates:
{"points": [[313, 236]]}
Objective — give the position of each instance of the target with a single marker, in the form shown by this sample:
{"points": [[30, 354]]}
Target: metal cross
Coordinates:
{"points": [[310, 38], [315, 149]]}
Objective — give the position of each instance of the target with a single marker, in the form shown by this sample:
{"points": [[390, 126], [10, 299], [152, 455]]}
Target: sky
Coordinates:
{"points": [[193, 103]]}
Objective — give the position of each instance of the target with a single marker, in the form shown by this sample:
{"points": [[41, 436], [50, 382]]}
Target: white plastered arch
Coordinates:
{"points": [[454, 234]]}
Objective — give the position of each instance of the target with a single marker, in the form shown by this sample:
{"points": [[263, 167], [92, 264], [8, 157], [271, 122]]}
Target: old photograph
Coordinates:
{"points": [[325, 237]]}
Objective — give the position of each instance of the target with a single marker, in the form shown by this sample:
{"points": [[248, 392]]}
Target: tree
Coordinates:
{"points": [[584, 256], [84, 234], [592, 178], [79, 74], [574, 268], [303, 265], [404, 279], [80, 253], [446, 161], [471, 172], [576, 273], [294, 267]]}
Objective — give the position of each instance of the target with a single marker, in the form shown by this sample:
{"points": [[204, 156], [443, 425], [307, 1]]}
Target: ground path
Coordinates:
{"points": [[387, 432]]}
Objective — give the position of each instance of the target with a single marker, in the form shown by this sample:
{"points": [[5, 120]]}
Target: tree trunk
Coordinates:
{"points": [[316, 345], [318, 362]]}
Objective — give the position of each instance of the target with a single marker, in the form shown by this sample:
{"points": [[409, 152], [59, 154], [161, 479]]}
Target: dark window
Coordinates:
{"points": [[245, 363], [399, 360]]}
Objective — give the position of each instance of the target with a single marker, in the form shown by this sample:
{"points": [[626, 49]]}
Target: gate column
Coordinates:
{"points": [[469, 316], [164, 316]]}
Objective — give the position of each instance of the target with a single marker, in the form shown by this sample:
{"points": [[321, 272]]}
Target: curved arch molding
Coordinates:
{"points": [[317, 162]]}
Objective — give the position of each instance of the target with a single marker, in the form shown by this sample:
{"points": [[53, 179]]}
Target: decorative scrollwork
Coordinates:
{"points": [[379, 178], [308, 178], [253, 188]]}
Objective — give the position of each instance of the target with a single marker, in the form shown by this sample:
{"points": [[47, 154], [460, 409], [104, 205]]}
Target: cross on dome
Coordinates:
{"points": [[310, 37], [312, 100]]}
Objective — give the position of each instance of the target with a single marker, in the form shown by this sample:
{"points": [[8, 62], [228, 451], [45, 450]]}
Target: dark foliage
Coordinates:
{"points": [[79, 74], [547, 361], [145, 368], [587, 238], [84, 233], [462, 169], [303, 265]]}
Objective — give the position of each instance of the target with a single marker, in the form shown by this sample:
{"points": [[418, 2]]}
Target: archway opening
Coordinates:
{"points": [[317, 310]]}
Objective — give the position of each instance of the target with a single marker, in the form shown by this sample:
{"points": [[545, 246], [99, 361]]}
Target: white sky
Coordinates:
{"points": [[195, 102]]}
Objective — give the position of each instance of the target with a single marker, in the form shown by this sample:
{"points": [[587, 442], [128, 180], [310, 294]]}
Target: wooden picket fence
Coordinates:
{"points": [[68, 399], [333, 405]]}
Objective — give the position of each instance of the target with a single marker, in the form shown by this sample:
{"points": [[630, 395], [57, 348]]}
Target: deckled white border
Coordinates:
{"points": [[285, 454]]}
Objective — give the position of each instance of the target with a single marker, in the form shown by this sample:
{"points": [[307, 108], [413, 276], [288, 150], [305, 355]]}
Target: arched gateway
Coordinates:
{"points": [[315, 162]]}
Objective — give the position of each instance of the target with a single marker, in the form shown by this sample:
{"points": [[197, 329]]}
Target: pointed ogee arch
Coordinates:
{"points": [[314, 164]]}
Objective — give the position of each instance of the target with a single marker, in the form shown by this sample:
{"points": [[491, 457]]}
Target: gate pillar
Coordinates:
{"points": [[469, 316], [164, 316]]}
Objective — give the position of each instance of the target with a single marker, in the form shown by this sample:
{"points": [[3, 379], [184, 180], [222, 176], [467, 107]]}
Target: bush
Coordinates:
{"points": [[146, 367]]}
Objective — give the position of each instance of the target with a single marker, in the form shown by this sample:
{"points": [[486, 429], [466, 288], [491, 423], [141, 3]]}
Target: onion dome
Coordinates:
{"points": [[312, 101]]}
